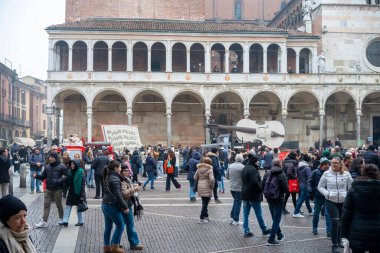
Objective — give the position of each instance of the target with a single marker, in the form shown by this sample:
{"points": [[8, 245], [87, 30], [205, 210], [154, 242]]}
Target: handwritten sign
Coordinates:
{"points": [[122, 136]]}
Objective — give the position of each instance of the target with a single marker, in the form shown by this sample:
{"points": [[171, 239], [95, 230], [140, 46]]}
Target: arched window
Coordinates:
{"points": [[179, 57], [273, 53], [197, 58], [100, 56], [79, 56], [158, 63], [140, 57], [61, 56], [119, 56], [256, 59], [217, 58], [291, 56], [305, 60]]}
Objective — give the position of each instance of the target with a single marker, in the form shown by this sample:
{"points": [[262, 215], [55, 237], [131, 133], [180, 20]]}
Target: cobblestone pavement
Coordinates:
{"points": [[170, 224]]}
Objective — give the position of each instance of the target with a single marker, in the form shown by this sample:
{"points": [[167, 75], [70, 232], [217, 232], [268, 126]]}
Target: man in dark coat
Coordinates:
{"points": [[98, 165], [213, 155], [5, 164], [371, 157], [251, 194]]}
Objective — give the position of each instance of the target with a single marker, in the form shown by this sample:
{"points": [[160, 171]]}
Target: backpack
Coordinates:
{"points": [[271, 189], [290, 170]]}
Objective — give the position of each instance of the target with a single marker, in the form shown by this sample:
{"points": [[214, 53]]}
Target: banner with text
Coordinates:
{"points": [[122, 136]]}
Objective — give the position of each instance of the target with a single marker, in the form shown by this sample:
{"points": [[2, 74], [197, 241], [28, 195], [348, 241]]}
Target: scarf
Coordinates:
{"points": [[17, 242]]}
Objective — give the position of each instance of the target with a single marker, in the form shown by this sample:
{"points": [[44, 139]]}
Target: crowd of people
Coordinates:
{"points": [[344, 185]]}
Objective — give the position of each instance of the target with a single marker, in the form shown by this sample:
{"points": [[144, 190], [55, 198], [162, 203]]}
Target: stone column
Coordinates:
{"points": [[321, 124], [284, 114], [169, 57], [149, 59], [207, 129], [89, 123], [207, 59], [110, 59], [265, 61], [49, 111], [314, 60], [227, 62], [61, 126], [188, 60], [57, 114], [129, 57], [246, 59], [129, 114], [90, 57], [358, 126], [51, 53], [169, 125], [297, 62], [246, 113], [284, 60], [70, 67]]}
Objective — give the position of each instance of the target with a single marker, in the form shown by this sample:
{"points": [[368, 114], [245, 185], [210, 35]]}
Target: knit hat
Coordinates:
{"points": [[324, 160], [326, 153], [55, 156], [10, 205], [239, 158]]}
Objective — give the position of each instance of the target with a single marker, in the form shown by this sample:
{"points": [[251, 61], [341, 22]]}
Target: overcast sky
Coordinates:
{"points": [[23, 39]]}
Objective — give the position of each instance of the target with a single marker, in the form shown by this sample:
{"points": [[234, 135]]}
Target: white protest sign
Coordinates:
{"points": [[122, 136]]}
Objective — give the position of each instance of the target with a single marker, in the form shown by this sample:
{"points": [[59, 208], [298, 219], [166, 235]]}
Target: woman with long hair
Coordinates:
{"points": [[205, 185], [113, 207], [334, 185], [169, 165]]}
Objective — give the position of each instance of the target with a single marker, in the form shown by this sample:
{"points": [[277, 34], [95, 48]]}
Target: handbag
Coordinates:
{"points": [[82, 207], [293, 185]]}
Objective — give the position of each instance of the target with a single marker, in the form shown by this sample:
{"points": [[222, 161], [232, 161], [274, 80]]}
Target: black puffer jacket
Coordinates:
{"points": [[135, 162], [251, 183], [312, 184], [5, 164], [361, 215], [371, 157], [290, 168], [215, 165], [282, 182], [112, 191], [53, 174], [99, 163]]}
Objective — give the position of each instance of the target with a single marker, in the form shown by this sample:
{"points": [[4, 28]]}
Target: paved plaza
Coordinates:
{"points": [[170, 224]]}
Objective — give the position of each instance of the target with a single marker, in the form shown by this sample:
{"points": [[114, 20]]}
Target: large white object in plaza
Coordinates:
{"points": [[121, 136]]}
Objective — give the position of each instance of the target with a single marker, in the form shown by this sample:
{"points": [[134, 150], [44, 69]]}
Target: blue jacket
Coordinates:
{"points": [[34, 159], [150, 164], [303, 173], [193, 164]]}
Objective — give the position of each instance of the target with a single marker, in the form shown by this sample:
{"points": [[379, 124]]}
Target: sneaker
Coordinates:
{"points": [[152, 188], [315, 231], [249, 234], [143, 186], [230, 220], [281, 238], [298, 215], [285, 211], [159, 177], [311, 213], [267, 232], [41, 224], [40, 192], [137, 247], [236, 223], [218, 201], [79, 224], [202, 221], [62, 224], [335, 249], [207, 219], [193, 199], [179, 188], [273, 243], [32, 192]]}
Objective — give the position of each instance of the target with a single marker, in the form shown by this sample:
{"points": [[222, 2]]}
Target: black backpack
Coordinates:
{"points": [[271, 190], [290, 170]]}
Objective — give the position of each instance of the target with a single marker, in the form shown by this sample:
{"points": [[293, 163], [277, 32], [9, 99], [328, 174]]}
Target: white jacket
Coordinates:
{"points": [[334, 186]]}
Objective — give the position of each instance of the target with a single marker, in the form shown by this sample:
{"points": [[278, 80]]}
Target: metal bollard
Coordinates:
{"points": [[11, 172], [23, 169]]}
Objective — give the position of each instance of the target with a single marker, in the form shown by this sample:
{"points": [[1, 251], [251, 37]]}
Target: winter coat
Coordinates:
{"points": [[361, 215], [215, 166], [73, 198], [169, 169], [205, 177], [99, 163], [251, 187], [135, 162], [5, 164], [150, 165], [303, 173], [34, 159], [234, 175], [334, 186], [371, 157], [290, 174], [193, 164], [282, 182], [53, 174], [112, 191], [268, 160], [312, 184]]}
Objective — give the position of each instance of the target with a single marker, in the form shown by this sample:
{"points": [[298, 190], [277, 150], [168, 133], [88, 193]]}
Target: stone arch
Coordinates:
{"points": [[24, 135], [100, 56], [108, 89], [158, 61], [236, 58], [179, 57], [256, 60], [119, 56], [265, 105], [17, 134], [61, 56], [307, 92], [273, 56], [140, 56], [217, 57], [197, 57], [58, 92], [291, 60], [305, 60], [227, 107], [370, 108], [79, 56]]}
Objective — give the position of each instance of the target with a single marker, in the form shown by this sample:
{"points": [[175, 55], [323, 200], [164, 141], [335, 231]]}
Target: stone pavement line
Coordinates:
{"points": [[67, 238], [264, 245], [29, 198]]}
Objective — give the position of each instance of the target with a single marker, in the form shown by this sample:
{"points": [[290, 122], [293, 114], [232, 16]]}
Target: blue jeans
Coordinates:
{"points": [[318, 203], [303, 197], [160, 168], [90, 177], [256, 205], [236, 206], [112, 215], [221, 184], [192, 194], [132, 236], [66, 215], [35, 181], [151, 178], [276, 213]]}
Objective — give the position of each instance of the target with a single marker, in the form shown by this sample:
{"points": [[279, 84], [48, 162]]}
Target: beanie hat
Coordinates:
{"points": [[55, 156], [324, 160], [10, 205], [326, 153]]}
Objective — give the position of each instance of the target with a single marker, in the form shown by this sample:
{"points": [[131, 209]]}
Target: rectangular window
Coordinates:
{"points": [[44, 124], [23, 115], [23, 97], [44, 108]]}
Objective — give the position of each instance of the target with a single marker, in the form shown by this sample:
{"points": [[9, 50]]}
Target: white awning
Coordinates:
{"points": [[24, 141]]}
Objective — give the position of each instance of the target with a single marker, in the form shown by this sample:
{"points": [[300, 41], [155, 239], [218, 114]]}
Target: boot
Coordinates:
{"points": [[107, 249], [116, 249], [335, 249]]}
